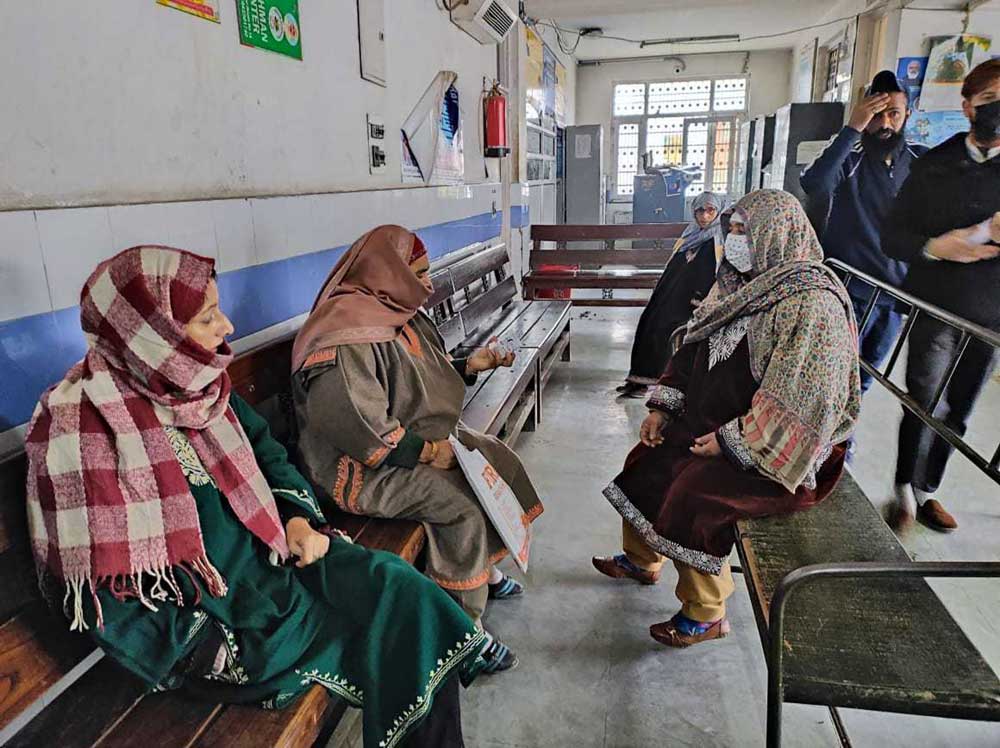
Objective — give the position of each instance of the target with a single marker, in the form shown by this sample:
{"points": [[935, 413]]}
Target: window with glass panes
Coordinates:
{"points": [[678, 123]]}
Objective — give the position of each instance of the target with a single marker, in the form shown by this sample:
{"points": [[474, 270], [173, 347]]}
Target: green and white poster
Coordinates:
{"points": [[272, 25]]}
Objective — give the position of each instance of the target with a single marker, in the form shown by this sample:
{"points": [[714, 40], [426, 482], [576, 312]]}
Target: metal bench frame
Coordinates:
{"points": [[799, 578]]}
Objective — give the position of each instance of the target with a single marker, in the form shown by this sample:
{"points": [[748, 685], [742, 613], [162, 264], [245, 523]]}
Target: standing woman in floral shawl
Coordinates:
{"points": [[749, 418], [686, 280], [164, 515]]}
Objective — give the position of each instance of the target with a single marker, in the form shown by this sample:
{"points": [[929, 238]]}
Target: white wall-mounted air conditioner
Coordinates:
{"points": [[489, 21]]}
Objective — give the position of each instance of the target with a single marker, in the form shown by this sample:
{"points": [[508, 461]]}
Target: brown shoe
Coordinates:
{"points": [[668, 634], [898, 518], [900, 512], [619, 567], [936, 517]]}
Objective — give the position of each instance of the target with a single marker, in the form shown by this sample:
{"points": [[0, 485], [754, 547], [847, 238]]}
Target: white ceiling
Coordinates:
{"points": [[658, 19]]}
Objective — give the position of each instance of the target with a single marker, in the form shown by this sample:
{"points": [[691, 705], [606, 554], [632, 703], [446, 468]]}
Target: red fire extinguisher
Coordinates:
{"points": [[495, 123]]}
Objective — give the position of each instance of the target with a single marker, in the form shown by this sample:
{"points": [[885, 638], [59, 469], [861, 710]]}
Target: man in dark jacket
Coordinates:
{"points": [[946, 223], [859, 174]]}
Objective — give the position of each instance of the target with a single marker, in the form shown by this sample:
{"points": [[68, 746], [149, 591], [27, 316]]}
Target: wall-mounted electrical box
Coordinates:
{"points": [[371, 40], [376, 144]]}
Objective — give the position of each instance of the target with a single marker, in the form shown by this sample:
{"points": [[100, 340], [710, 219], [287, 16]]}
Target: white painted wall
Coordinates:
{"points": [[130, 123], [915, 26], [134, 102]]}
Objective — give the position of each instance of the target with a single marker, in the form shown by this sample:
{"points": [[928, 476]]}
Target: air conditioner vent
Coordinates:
{"points": [[488, 21], [498, 18]]}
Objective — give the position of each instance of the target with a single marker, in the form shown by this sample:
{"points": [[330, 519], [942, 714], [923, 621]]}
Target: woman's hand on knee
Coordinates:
{"points": [[439, 454], [651, 432], [304, 542], [706, 446]]}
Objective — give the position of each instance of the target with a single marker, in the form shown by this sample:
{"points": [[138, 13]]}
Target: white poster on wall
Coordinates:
{"points": [[805, 65], [431, 137], [951, 59]]}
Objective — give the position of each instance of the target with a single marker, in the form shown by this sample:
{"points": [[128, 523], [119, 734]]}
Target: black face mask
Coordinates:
{"points": [[986, 127], [879, 145]]}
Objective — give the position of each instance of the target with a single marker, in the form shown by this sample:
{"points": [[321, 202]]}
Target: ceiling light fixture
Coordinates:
{"points": [[691, 40]]}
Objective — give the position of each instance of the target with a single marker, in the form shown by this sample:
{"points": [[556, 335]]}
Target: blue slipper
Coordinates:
{"points": [[505, 588], [496, 658]]}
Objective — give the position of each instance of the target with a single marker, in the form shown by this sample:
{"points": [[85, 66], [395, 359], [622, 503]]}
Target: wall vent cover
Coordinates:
{"points": [[489, 21]]}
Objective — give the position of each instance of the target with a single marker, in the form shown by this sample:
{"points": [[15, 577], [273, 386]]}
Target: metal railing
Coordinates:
{"points": [[799, 578], [920, 308]]}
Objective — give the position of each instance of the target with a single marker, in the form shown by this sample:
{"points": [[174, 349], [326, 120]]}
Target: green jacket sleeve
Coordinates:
{"points": [[292, 492]]}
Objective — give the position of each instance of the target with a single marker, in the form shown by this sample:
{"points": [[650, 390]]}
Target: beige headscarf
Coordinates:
{"points": [[369, 295]]}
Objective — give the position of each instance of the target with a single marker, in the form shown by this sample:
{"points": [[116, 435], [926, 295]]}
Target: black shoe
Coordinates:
{"points": [[633, 391]]}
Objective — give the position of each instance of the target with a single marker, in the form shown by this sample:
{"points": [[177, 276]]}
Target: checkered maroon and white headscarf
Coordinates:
{"points": [[107, 499]]}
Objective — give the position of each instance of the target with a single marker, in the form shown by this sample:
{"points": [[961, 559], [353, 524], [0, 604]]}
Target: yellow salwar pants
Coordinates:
{"points": [[703, 596]]}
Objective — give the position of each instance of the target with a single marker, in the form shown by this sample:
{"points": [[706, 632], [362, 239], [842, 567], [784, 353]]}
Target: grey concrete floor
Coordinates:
{"points": [[590, 676]]}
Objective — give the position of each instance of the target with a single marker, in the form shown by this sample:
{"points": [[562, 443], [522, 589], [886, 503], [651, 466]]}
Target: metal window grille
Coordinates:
{"points": [[630, 99], [665, 138], [729, 95], [680, 97], [696, 154], [699, 129], [723, 156], [627, 157]]}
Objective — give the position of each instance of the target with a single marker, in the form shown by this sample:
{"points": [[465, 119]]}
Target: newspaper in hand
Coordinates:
{"points": [[498, 501]]}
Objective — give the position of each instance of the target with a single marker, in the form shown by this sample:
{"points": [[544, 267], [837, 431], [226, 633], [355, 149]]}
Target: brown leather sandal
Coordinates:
{"points": [[667, 633], [619, 567]]}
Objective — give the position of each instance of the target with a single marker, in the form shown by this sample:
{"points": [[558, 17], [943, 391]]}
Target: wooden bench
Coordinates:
{"points": [[845, 617], [47, 672], [475, 299], [606, 269]]}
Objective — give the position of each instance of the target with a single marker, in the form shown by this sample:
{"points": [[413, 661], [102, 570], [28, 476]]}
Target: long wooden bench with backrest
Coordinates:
{"points": [[606, 269], [476, 299], [845, 617], [57, 689]]}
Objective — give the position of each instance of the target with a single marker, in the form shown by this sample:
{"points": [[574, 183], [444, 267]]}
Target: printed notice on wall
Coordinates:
{"points": [[933, 128], [207, 9], [431, 136], [272, 25], [951, 59], [581, 146]]}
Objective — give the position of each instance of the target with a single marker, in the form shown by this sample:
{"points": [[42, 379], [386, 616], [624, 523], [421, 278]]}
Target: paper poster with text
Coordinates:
{"points": [[207, 9], [431, 136], [272, 25], [951, 59], [933, 128], [910, 71]]}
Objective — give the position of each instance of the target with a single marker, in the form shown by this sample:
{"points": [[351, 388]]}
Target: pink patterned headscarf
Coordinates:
{"points": [[107, 499]]}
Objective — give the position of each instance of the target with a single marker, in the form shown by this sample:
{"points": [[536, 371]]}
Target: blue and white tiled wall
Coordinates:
{"points": [[272, 254]]}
